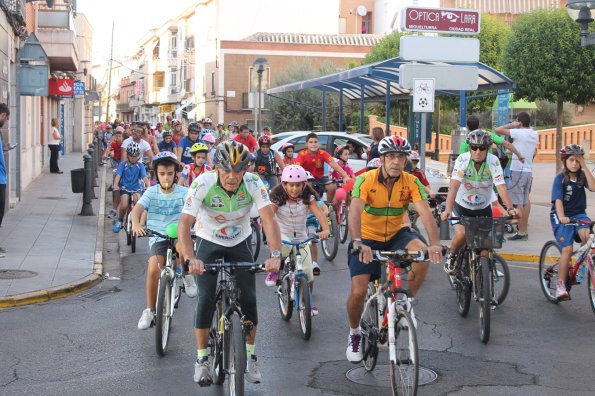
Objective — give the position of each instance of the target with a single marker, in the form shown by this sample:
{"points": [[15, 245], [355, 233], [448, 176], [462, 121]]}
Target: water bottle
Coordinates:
{"points": [[580, 274]]}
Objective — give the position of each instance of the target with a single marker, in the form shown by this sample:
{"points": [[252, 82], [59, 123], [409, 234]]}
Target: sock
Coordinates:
{"points": [[358, 330], [250, 350], [201, 354], [153, 310]]}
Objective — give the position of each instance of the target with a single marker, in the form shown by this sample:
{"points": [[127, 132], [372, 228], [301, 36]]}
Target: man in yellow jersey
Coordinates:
{"points": [[379, 199]]}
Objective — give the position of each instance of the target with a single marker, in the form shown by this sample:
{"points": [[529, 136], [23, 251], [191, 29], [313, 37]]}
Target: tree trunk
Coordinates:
{"points": [[559, 115]]}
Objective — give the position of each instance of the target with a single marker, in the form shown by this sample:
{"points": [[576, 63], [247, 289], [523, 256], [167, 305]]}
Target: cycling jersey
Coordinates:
{"points": [[382, 217], [131, 175], [163, 146], [185, 144], [475, 192], [220, 218], [313, 163], [189, 173], [265, 163]]}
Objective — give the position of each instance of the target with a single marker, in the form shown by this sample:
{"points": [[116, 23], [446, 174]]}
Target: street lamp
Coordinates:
{"points": [[259, 65], [581, 12]]}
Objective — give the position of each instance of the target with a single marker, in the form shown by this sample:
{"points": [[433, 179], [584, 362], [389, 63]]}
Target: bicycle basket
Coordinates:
{"points": [[484, 232]]}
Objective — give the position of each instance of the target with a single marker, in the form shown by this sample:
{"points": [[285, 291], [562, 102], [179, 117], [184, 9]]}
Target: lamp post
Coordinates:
{"points": [[582, 11], [259, 65]]}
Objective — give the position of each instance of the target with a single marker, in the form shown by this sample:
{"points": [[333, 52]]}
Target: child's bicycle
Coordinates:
{"points": [[293, 288], [388, 316], [127, 222], [584, 256], [330, 246]]}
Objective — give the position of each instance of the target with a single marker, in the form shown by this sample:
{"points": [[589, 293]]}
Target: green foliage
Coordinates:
{"points": [[546, 61], [545, 116], [386, 49]]}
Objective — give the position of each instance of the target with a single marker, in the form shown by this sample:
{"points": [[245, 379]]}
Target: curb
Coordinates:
{"points": [[524, 257], [68, 289]]}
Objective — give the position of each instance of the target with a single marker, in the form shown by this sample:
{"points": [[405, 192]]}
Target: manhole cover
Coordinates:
{"points": [[381, 376], [16, 274], [52, 198]]}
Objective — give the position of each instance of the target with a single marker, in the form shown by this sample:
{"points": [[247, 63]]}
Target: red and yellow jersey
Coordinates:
{"points": [[382, 217], [313, 163]]}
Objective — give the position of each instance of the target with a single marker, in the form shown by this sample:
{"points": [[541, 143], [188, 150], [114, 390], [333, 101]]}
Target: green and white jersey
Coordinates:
{"points": [[220, 218], [476, 191]]}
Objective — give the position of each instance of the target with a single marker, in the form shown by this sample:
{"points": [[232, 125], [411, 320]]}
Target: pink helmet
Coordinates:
{"points": [[208, 137], [294, 174], [414, 155]]}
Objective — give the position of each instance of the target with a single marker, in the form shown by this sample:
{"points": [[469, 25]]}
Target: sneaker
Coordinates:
{"points": [[314, 310], [561, 292], [271, 279], [253, 371], [450, 264], [111, 214], [190, 287], [146, 319], [2, 252], [354, 350], [117, 226], [518, 237], [202, 372], [315, 268], [110, 188]]}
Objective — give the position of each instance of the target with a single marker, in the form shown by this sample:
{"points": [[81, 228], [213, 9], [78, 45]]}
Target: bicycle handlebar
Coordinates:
{"points": [[305, 241], [410, 256], [219, 265], [575, 221]]}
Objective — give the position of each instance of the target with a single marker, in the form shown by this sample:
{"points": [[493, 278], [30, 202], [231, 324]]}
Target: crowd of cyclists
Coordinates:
{"points": [[207, 181]]}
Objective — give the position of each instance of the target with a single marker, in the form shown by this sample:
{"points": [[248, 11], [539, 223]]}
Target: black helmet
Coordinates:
{"points": [[571, 149], [194, 127], [479, 137], [231, 155]]}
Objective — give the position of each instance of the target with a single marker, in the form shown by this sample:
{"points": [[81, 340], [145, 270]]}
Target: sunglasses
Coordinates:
{"points": [[478, 148]]}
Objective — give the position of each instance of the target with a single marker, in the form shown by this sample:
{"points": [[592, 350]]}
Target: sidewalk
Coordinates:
{"points": [[52, 252]]}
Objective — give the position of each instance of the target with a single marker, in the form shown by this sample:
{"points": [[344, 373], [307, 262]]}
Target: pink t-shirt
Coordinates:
{"points": [[345, 166], [291, 218]]}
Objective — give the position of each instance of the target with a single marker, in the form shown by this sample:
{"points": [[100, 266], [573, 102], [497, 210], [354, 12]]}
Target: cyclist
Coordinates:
{"points": [[219, 204], [163, 203], [168, 143], [178, 132], [246, 138], [287, 150], [313, 159], [267, 161], [159, 133], [207, 123], [292, 200], [190, 172], [379, 198], [477, 171], [569, 200], [143, 145], [186, 143], [209, 140], [129, 175]]}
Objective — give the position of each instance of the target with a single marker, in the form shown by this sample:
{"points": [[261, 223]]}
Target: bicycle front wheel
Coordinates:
{"points": [[284, 297], [462, 286], [216, 345], [404, 370], [500, 278], [591, 289], [484, 295], [305, 309], [128, 228], [255, 239], [369, 326], [331, 245], [343, 224], [548, 270], [164, 313], [235, 346]]}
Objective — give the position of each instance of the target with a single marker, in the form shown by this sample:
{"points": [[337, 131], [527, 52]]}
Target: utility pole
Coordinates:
{"points": [[109, 79]]}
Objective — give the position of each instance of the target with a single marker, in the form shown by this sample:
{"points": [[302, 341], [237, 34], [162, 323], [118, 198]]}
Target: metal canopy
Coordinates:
{"points": [[374, 79]]}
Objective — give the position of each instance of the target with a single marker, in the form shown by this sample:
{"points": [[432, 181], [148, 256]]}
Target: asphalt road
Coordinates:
{"points": [[88, 344]]}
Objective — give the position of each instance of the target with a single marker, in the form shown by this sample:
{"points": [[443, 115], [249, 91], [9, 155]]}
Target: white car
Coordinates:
{"points": [[329, 141]]}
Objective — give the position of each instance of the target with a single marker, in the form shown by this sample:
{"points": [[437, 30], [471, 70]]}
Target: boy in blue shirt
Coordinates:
{"points": [[167, 144], [163, 202], [127, 181], [186, 143]]}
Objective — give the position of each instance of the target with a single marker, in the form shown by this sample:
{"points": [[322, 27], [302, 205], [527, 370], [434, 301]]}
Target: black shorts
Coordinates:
{"points": [[399, 241], [459, 211], [208, 252], [319, 185]]}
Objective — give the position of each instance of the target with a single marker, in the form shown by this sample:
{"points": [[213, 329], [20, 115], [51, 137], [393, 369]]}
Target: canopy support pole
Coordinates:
{"points": [[361, 110], [341, 110], [387, 130], [324, 110]]}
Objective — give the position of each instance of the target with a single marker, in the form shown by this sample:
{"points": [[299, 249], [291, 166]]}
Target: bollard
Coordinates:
{"points": [[87, 209], [93, 166], [93, 180], [94, 158]]}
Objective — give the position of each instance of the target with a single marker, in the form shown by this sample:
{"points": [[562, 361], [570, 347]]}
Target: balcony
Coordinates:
{"points": [[55, 31], [16, 13], [123, 107]]}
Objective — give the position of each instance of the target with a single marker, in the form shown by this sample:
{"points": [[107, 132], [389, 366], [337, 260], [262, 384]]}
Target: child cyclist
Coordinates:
{"points": [[190, 172], [570, 201], [342, 155], [291, 202], [287, 150], [267, 161], [163, 203], [313, 226], [127, 181], [186, 143], [167, 144]]}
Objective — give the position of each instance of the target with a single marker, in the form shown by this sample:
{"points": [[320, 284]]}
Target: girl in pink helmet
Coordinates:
{"points": [[291, 201]]}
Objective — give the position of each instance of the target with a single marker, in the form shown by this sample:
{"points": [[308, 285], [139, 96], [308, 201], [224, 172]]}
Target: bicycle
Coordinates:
{"points": [[169, 290], [293, 287], [127, 222], [343, 219], [227, 346], [584, 256], [330, 246], [255, 239], [476, 274], [388, 317]]}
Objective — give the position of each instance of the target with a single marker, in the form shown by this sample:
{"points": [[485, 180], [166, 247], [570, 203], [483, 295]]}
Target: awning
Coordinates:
{"points": [[92, 96], [375, 78], [192, 114], [184, 105]]}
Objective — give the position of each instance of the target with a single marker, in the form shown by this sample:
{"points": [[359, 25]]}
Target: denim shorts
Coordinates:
{"points": [[566, 234], [399, 241]]}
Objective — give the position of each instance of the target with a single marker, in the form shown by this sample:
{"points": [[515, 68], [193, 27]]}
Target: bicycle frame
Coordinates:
{"points": [[295, 271]]}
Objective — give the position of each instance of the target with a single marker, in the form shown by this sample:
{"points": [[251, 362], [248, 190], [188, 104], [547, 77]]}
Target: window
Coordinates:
{"points": [[173, 77], [173, 45], [156, 50], [213, 84], [158, 80], [359, 149]]}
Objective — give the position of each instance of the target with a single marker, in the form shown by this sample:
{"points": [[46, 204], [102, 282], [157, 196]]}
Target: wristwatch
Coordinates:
{"points": [[356, 240], [275, 254]]}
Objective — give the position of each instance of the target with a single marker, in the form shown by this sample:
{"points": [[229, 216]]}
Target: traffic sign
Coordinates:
{"points": [[79, 87], [440, 20], [448, 77], [423, 95], [439, 49]]}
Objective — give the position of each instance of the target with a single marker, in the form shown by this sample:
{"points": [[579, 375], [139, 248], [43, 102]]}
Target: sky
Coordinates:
{"points": [[132, 20]]}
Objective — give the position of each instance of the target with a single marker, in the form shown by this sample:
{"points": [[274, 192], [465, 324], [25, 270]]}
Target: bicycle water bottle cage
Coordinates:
{"points": [[172, 230]]}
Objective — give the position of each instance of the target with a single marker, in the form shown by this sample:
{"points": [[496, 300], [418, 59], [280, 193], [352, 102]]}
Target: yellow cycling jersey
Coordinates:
{"points": [[382, 217]]}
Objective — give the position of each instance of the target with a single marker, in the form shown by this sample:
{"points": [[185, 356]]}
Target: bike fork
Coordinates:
{"points": [[391, 330]]}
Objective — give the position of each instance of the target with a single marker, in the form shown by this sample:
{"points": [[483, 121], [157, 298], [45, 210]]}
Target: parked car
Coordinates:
{"points": [[330, 140]]}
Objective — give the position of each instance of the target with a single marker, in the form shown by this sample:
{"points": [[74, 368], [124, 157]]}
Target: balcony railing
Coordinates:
{"points": [[58, 17], [15, 13]]}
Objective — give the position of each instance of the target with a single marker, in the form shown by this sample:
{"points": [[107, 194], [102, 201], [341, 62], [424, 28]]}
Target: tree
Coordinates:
{"points": [[546, 61]]}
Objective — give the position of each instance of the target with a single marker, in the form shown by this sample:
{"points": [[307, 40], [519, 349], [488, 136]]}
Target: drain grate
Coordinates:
{"points": [[16, 274], [381, 376]]}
